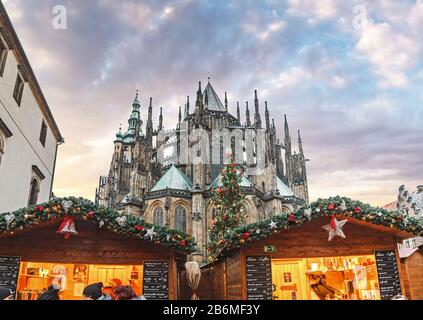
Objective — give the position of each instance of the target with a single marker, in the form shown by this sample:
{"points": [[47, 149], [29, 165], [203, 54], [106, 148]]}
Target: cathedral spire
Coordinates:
{"points": [[149, 127], [287, 138], [187, 105], [238, 112], [257, 118], [161, 119], [247, 115], [199, 102], [136, 100], [226, 101], [300, 143], [179, 117], [267, 116], [206, 99]]}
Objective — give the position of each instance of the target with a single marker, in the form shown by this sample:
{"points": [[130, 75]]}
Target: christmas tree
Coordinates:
{"points": [[228, 201]]}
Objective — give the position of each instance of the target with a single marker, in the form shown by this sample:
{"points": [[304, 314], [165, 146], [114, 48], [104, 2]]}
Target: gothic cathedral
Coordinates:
{"points": [[165, 190]]}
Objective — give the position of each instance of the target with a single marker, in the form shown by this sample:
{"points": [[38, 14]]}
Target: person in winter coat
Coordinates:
{"points": [[94, 292], [6, 294], [126, 293], [52, 293]]}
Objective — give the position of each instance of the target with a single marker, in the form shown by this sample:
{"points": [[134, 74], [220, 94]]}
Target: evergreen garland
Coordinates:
{"points": [[83, 209], [322, 207], [228, 201]]}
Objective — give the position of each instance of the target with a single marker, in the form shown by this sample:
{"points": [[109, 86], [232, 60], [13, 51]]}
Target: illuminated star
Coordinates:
{"points": [[272, 225], [335, 228]]}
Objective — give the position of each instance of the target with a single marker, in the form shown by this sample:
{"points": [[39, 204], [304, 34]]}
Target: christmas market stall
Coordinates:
{"points": [[73, 243], [334, 248]]}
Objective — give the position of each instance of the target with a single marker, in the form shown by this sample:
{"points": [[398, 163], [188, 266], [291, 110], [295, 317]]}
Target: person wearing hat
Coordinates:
{"points": [[6, 294], [94, 292]]}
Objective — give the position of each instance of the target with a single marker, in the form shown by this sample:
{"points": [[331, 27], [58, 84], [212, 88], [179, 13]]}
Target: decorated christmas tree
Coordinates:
{"points": [[228, 202]]}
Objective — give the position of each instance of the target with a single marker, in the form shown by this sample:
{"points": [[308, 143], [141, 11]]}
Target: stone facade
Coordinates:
{"points": [[174, 191]]}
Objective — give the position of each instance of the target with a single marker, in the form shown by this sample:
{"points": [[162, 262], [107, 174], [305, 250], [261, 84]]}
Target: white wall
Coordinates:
{"points": [[23, 149]]}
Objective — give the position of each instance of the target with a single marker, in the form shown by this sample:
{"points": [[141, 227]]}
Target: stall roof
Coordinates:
{"points": [[379, 219], [83, 209]]}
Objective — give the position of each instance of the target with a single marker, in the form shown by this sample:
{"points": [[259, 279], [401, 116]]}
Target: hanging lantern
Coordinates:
{"points": [[67, 228]]}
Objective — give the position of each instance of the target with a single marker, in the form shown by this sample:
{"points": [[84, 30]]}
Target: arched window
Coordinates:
{"points": [[158, 216], [1, 147], [180, 218], [34, 191]]}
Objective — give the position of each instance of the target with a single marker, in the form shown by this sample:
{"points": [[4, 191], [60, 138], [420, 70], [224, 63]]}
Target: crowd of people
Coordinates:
{"points": [[95, 291]]}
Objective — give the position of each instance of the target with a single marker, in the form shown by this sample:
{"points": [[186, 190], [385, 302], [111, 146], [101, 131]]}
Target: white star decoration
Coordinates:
{"points": [[343, 206], [335, 228], [150, 233], [308, 212], [272, 225]]}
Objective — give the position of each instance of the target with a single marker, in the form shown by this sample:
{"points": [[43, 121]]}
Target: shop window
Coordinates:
{"points": [[158, 216], [18, 91], [43, 133], [3, 57], [414, 242], [179, 218], [326, 278], [34, 277], [34, 191]]}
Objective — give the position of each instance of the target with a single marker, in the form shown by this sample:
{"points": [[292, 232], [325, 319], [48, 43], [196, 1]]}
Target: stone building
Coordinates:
{"points": [[157, 174], [29, 135]]}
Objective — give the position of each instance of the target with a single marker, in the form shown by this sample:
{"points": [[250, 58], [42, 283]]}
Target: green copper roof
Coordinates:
{"points": [[214, 102], [218, 182], [284, 190], [173, 179]]}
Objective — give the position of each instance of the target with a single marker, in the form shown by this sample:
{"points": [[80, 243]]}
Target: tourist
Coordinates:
{"points": [[126, 293], [6, 294], [94, 292], [52, 293]]}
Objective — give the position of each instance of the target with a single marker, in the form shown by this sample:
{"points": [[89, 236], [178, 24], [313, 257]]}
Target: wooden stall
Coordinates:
{"points": [[412, 268], [301, 264], [95, 254]]}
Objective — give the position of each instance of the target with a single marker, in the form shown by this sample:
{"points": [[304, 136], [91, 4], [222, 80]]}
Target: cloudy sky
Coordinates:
{"points": [[349, 75]]}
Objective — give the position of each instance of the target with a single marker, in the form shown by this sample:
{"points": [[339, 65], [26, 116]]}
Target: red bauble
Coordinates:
{"points": [[90, 214], [357, 210], [139, 228], [331, 206], [400, 218], [246, 235], [233, 165], [291, 217], [39, 208], [219, 190], [182, 243]]}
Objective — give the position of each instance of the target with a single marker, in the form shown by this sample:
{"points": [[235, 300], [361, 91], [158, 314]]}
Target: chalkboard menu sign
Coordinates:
{"points": [[388, 274], [9, 272], [259, 277], [156, 280]]}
